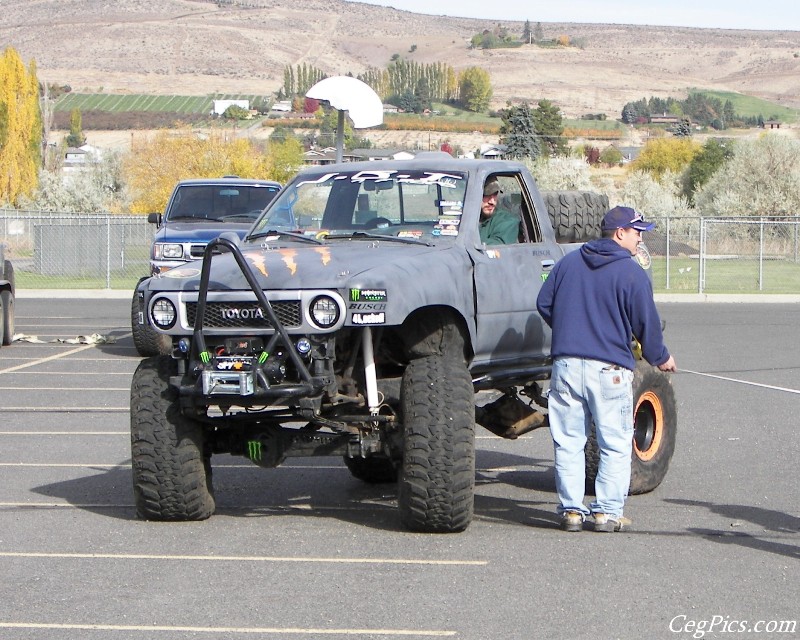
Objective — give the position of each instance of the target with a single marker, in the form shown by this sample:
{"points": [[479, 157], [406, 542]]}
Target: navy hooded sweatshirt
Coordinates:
{"points": [[596, 300]]}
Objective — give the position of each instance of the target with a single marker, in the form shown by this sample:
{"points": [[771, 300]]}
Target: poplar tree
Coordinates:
{"points": [[20, 128]]}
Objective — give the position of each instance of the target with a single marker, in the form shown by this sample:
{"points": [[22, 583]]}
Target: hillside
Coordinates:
{"points": [[197, 47]]}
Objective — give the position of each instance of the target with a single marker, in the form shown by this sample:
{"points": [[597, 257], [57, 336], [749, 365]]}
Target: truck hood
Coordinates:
{"points": [[332, 265], [197, 232]]}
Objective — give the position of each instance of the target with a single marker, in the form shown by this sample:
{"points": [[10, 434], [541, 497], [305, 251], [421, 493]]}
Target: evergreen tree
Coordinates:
{"points": [[549, 125], [538, 33], [527, 34], [518, 132], [705, 164]]}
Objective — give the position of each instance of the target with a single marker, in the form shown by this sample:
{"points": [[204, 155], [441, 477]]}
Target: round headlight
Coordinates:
{"points": [[163, 313], [324, 311]]}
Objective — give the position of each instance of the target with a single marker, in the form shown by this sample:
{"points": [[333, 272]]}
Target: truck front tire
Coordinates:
{"points": [[437, 482], [171, 468]]}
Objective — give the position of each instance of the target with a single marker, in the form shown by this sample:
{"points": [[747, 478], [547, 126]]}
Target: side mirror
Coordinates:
{"points": [[154, 218]]}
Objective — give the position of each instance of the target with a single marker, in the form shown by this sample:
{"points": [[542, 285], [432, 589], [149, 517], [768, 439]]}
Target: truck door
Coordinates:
{"points": [[507, 280]]}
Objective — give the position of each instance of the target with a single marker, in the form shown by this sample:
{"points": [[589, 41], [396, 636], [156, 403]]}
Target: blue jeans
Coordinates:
{"points": [[582, 391]]}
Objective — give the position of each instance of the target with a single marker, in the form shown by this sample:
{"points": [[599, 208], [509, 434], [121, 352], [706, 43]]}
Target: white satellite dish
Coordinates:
{"points": [[357, 98]]}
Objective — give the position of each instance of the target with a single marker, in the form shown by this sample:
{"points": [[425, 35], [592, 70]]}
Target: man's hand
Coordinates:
{"points": [[669, 365]]}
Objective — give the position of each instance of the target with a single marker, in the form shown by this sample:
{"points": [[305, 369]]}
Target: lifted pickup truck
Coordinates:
{"points": [[7, 292], [358, 318], [198, 210]]}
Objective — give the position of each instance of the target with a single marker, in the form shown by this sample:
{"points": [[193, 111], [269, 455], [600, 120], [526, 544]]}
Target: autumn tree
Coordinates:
{"points": [[155, 164], [20, 128], [475, 89], [665, 154]]}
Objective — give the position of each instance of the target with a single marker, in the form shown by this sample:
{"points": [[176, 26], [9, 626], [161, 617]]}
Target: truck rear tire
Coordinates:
{"points": [[654, 431], [171, 468], [7, 312], [148, 341], [437, 482], [575, 215]]}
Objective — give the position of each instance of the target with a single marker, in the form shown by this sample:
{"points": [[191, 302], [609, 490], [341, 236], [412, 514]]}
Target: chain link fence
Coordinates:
{"points": [[689, 254]]}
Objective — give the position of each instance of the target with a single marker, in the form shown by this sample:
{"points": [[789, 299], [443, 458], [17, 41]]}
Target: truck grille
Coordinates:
{"points": [[232, 315], [196, 251]]}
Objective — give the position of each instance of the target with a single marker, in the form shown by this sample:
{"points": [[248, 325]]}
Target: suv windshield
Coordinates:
{"points": [[418, 204], [228, 203]]}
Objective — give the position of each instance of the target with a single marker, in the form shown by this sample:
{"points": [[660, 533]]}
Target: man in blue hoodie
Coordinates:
{"points": [[596, 300]]}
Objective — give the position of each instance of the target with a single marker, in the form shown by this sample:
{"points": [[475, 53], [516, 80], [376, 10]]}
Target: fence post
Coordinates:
{"points": [[108, 252], [701, 258], [761, 254], [666, 282]]}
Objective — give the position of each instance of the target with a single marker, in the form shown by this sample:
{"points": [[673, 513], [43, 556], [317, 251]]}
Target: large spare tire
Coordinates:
{"points": [[575, 215]]}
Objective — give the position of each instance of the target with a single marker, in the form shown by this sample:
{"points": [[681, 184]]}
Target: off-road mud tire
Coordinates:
{"points": [[377, 469], [148, 341], [655, 429], [8, 273], [437, 482], [575, 215], [7, 314], [171, 467]]}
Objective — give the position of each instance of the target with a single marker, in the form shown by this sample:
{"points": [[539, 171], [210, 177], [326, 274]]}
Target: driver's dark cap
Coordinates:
{"points": [[492, 187]]}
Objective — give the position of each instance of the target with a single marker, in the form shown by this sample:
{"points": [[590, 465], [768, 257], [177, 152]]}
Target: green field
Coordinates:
{"points": [[138, 102], [749, 106]]}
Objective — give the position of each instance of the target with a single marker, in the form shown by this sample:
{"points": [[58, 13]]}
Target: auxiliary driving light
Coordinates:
{"points": [[324, 311], [163, 313]]}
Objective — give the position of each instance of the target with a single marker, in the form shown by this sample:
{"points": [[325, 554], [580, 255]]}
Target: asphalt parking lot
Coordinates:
{"points": [[306, 551]]}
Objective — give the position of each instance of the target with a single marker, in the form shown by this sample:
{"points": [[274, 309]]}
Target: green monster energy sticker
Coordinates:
{"points": [[254, 450], [262, 358], [205, 357], [368, 295]]}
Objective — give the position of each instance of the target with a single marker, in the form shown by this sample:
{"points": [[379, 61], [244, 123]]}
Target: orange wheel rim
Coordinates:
{"points": [[648, 426]]}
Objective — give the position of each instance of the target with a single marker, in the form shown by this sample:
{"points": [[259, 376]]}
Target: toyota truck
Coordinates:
{"points": [[362, 317]]}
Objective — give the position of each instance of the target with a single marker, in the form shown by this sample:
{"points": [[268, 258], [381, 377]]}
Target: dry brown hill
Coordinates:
{"points": [[202, 47]]}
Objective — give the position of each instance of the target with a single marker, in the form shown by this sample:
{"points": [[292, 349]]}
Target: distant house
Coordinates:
{"points": [[772, 124], [629, 154], [220, 106], [664, 119], [492, 151], [284, 106], [381, 154], [77, 159], [320, 156], [390, 108]]}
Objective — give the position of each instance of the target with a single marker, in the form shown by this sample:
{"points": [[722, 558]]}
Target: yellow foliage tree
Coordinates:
{"points": [[20, 128], [665, 154], [155, 164]]}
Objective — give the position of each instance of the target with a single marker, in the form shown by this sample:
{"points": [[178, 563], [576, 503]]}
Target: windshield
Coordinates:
{"points": [[420, 204], [223, 203]]}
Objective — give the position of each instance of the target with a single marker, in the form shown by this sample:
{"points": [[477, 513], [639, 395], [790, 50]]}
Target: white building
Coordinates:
{"points": [[220, 106]]}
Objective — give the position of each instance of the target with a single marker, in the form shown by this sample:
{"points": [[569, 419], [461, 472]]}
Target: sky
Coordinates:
{"points": [[707, 14]]}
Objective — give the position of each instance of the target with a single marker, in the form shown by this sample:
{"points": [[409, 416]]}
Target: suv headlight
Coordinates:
{"points": [[163, 313], [166, 251], [324, 311]]}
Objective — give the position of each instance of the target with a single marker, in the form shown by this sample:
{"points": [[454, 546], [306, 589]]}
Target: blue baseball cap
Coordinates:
{"points": [[624, 218]]}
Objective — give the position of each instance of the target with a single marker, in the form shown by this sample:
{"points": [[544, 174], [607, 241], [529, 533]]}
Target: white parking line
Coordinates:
{"points": [[752, 384], [232, 630], [49, 358], [248, 559]]}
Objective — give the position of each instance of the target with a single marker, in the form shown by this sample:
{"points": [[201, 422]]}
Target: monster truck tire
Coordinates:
{"points": [[654, 431], [7, 321], [171, 469], [148, 341], [575, 215], [372, 470], [437, 482]]}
